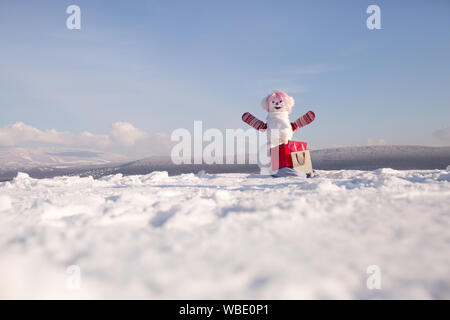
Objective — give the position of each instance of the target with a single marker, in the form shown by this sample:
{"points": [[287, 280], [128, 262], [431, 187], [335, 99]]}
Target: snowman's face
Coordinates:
{"points": [[277, 105]]}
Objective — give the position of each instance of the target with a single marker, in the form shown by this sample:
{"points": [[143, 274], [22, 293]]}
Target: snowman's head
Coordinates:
{"points": [[278, 101]]}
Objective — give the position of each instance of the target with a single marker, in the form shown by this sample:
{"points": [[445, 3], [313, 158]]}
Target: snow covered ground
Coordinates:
{"points": [[226, 236]]}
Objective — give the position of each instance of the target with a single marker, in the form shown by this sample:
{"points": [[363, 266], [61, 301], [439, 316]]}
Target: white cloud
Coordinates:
{"points": [[443, 134], [122, 134], [375, 142], [20, 132], [163, 138], [125, 134], [87, 139]]}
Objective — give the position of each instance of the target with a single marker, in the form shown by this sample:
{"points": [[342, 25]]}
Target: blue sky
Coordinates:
{"points": [[160, 65]]}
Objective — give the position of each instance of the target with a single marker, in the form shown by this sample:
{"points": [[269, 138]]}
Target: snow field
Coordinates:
{"points": [[227, 236]]}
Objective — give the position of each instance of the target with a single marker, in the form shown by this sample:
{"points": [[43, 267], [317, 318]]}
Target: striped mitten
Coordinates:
{"points": [[304, 120], [254, 122]]}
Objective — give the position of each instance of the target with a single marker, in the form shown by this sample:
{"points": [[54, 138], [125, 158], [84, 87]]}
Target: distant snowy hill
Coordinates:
{"points": [[49, 163], [356, 158], [375, 157], [25, 158]]}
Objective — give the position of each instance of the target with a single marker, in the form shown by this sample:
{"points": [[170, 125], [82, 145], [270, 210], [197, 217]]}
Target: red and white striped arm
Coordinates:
{"points": [[254, 122], [304, 120]]}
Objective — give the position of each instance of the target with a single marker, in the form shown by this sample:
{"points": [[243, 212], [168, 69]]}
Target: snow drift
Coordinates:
{"points": [[227, 236]]}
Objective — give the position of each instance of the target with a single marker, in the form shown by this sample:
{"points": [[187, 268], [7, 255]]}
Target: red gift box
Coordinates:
{"points": [[281, 155]]}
